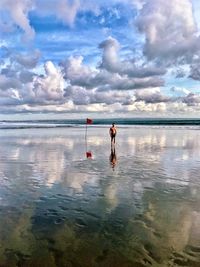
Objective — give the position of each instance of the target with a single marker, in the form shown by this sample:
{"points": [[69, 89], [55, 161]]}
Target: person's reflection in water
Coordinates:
{"points": [[113, 157]]}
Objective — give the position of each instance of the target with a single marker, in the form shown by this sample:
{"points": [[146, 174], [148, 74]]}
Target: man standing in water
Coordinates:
{"points": [[113, 132]]}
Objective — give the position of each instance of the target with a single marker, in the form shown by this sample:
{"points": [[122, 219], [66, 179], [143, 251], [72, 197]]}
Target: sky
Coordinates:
{"points": [[116, 58]]}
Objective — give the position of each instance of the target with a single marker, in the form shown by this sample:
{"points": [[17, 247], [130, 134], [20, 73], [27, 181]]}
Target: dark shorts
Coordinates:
{"points": [[113, 135]]}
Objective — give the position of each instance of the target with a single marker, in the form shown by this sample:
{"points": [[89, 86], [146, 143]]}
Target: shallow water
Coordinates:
{"points": [[139, 206]]}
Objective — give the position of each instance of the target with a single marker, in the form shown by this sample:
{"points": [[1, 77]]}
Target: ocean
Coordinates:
{"points": [[14, 124], [71, 199]]}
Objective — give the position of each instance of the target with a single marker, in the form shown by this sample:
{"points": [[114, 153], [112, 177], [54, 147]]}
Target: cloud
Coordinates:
{"points": [[27, 60], [110, 59], [49, 87], [142, 71], [113, 74], [72, 81], [9, 90], [39, 108], [142, 106], [26, 76], [9, 97], [127, 73], [152, 95], [180, 71], [81, 96], [170, 30], [179, 91], [195, 71], [65, 10], [7, 83], [6, 26], [30, 88], [112, 63], [72, 85], [192, 99], [77, 73], [124, 83], [18, 11]]}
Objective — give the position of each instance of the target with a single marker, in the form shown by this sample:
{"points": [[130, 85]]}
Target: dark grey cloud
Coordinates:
{"points": [[195, 71], [191, 99], [132, 84], [81, 96], [110, 60], [27, 60], [180, 73], [26, 76], [9, 82], [9, 72], [142, 71], [151, 96]]}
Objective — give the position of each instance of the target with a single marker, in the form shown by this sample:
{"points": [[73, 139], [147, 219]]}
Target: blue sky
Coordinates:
{"points": [[72, 58]]}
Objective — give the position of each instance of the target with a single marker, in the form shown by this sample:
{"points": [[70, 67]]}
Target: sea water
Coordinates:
{"points": [[133, 204]]}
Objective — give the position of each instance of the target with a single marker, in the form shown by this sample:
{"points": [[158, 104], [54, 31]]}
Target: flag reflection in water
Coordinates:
{"points": [[88, 154]]}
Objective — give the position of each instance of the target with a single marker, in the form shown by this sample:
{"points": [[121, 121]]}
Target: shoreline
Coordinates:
{"points": [[29, 127]]}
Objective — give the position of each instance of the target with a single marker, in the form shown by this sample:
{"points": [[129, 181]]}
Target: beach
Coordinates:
{"points": [[59, 207]]}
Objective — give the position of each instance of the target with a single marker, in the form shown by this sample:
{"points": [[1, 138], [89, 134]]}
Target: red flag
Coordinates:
{"points": [[89, 154], [89, 121]]}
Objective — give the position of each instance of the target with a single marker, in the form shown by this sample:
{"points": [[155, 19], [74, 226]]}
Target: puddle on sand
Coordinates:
{"points": [[65, 210]]}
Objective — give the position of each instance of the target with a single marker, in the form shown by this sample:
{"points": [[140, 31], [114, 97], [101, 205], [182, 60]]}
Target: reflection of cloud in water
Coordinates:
{"points": [[49, 162], [175, 151], [195, 229], [76, 180], [111, 194], [96, 140], [147, 139], [66, 142], [185, 156], [15, 153], [169, 225]]}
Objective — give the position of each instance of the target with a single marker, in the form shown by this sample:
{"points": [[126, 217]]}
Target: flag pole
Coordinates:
{"points": [[86, 131], [88, 153], [86, 136]]}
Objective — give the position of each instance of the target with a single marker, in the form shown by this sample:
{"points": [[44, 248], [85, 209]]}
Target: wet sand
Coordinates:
{"points": [[137, 205]]}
